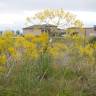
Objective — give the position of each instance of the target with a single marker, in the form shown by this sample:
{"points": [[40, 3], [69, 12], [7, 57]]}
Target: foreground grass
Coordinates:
{"points": [[42, 78]]}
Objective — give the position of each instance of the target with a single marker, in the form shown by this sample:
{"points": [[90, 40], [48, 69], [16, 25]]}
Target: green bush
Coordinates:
{"points": [[92, 39]]}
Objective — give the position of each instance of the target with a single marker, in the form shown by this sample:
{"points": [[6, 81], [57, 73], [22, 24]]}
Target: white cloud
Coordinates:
{"points": [[18, 19], [14, 12], [89, 18], [30, 12]]}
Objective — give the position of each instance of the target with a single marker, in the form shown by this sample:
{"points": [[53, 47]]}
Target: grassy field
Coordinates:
{"points": [[33, 66]]}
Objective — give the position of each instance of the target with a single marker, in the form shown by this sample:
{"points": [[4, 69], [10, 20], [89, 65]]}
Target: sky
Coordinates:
{"points": [[13, 13]]}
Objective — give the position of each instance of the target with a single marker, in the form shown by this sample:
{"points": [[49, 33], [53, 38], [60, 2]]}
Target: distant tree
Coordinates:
{"points": [[57, 17], [17, 32], [1, 32]]}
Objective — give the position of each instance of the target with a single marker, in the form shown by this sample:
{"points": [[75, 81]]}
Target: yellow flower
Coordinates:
{"points": [[58, 49], [12, 51], [2, 69], [88, 50], [29, 37], [61, 46], [19, 42], [29, 45], [54, 51], [8, 34], [44, 38], [2, 45], [3, 59], [41, 39], [35, 54]]}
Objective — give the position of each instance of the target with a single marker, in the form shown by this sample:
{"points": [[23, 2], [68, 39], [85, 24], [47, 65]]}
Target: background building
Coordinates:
{"points": [[52, 30]]}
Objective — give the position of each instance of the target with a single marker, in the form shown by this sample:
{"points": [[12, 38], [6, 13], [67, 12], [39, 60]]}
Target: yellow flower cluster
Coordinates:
{"points": [[3, 59], [2, 45], [87, 50], [57, 49], [15, 47]]}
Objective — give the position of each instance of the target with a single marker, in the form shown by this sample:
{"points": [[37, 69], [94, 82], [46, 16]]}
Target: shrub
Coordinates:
{"points": [[92, 39], [31, 66]]}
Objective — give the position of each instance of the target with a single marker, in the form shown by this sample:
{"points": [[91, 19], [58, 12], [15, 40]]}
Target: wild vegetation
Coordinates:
{"points": [[48, 66], [33, 66]]}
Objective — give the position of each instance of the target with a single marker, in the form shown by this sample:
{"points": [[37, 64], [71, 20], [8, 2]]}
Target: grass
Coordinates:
{"points": [[70, 74]]}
